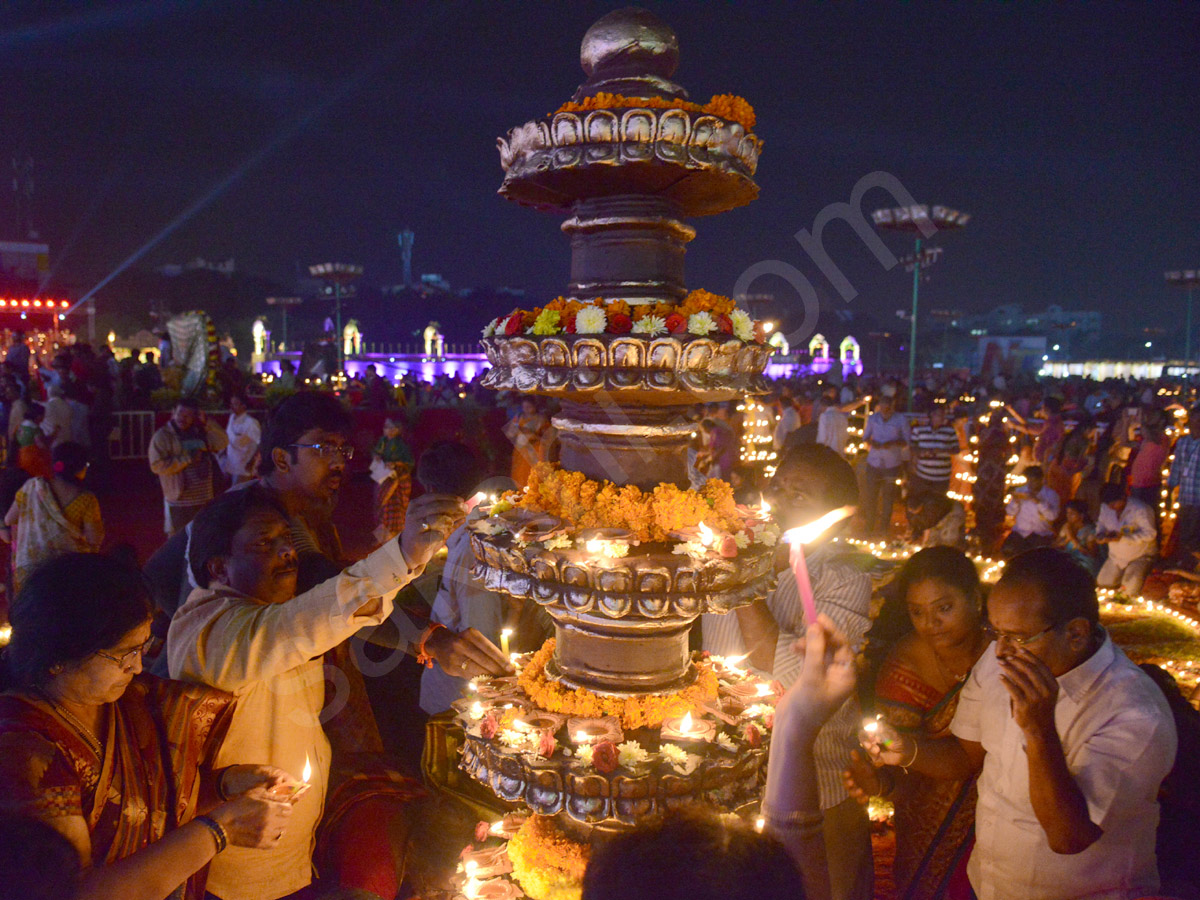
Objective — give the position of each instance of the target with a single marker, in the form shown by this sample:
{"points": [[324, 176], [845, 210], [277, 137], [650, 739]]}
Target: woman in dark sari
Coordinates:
{"points": [[916, 691], [116, 761]]}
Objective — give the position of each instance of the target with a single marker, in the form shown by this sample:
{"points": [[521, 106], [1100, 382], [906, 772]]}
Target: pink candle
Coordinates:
{"points": [[803, 584]]}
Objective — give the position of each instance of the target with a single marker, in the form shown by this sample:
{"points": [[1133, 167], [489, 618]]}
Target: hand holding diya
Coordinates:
{"points": [[877, 734], [687, 728]]}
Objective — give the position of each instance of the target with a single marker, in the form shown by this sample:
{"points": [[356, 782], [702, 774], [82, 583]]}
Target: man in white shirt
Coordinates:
{"points": [[244, 630], [1034, 507], [810, 481], [1126, 525], [1070, 740], [789, 418], [833, 424], [886, 435]]}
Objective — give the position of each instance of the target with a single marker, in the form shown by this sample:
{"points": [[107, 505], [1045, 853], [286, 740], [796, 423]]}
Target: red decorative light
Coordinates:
{"points": [[64, 304], [37, 303], [24, 302]]}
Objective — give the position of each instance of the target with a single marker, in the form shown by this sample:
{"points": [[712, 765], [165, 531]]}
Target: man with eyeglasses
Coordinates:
{"points": [[1070, 741]]}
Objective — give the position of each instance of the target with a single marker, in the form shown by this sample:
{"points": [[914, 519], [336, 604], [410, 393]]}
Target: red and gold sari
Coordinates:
{"points": [[162, 736], [935, 820]]}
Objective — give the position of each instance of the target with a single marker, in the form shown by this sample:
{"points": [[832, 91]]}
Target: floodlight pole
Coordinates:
{"points": [[912, 334]]}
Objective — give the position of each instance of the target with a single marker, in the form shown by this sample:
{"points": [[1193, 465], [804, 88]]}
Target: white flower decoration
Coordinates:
{"points": [[650, 325], [743, 325], [591, 320], [630, 754], [690, 548], [701, 323], [673, 753], [741, 540], [491, 327], [726, 742], [758, 711], [557, 542]]}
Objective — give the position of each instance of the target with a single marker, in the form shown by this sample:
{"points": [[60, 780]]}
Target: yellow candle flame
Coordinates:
{"points": [[706, 535], [806, 534], [685, 724], [307, 774], [594, 546]]}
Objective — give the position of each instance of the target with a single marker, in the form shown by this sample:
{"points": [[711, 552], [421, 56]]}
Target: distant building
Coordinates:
{"points": [[1010, 319], [23, 260], [199, 264]]}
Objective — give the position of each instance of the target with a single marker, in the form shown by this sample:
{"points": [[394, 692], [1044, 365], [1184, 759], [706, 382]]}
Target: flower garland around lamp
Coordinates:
{"points": [[547, 864], [725, 106], [701, 313], [643, 711], [648, 515]]}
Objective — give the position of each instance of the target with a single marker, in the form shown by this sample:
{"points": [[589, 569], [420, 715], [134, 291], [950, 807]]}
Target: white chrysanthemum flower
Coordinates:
{"points": [[673, 753], [743, 325], [491, 327], [758, 711], [769, 535], [557, 542], [630, 754], [690, 548], [650, 325], [701, 323], [591, 320], [512, 738], [741, 540], [585, 754], [725, 741]]}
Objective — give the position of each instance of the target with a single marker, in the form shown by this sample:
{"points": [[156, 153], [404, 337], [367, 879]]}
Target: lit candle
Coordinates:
{"points": [[505, 634], [806, 534], [689, 729]]}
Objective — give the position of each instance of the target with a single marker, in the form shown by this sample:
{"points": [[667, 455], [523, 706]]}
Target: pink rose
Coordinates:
{"points": [[605, 757], [546, 744], [483, 831], [724, 323], [728, 548], [489, 726], [752, 735]]}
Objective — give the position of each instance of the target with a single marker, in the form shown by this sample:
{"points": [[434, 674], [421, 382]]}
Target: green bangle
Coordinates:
{"points": [[215, 829]]}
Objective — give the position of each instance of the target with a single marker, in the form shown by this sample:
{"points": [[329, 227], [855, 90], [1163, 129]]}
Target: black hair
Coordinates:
{"points": [[448, 467], [944, 564], [33, 410], [297, 414], [70, 607], [69, 460], [1112, 492], [841, 484], [1081, 507], [213, 529], [1034, 472], [1053, 404], [692, 856], [188, 403], [1067, 588]]}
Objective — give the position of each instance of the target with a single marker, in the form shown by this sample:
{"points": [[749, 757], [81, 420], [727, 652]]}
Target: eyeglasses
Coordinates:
{"points": [[346, 451], [1018, 639], [125, 660]]}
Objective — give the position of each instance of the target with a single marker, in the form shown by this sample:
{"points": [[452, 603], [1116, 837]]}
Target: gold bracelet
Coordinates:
{"points": [[215, 829]]}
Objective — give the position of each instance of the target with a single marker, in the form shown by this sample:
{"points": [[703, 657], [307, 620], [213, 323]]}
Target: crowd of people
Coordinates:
{"points": [[1025, 755]]}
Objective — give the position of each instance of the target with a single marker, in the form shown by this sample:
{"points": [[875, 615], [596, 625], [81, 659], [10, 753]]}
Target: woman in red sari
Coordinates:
{"points": [[916, 691], [116, 761]]}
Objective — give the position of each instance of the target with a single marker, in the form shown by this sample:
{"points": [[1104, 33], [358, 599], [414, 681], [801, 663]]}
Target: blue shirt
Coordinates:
{"points": [[880, 431]]}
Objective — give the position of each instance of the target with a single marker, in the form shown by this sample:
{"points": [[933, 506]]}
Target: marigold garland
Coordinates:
{"points": [[650, 516], [645, 711], [547, 864], [726, 106]]}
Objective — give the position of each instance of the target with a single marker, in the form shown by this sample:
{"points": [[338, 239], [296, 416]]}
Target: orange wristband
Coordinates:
{"points": [[422, 657]]}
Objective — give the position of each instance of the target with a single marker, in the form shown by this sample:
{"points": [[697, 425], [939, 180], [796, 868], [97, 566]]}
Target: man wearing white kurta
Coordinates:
{"points": [[244, 632]]}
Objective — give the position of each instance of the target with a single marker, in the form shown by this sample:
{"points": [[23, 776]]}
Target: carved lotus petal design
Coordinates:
{"points": [[567, 157], [576, 575], [568, 129], [602, 127], [589, 353], [674, 126], [526, 378], [579, 600], [638, 125], [555, 352]]}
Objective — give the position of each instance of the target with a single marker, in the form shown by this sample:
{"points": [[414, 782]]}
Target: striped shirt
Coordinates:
{"points": [[933, 449], [1185, 470], [844, 594]]}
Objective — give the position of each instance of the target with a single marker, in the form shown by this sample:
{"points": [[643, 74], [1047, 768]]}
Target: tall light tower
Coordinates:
{"points": [[340, 277], [1187, 279], [918, 221], [406, 238]]}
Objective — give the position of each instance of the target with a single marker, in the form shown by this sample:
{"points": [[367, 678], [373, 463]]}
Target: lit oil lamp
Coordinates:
{"points": [[584, 732], [689, 729], [505, 634]]}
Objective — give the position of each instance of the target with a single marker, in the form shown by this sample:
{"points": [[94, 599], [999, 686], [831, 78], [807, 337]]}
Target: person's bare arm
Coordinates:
{"points": [[760, 634]]}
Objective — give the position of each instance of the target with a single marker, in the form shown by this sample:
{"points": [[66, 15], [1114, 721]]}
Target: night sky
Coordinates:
{"points": [[1068, 131]]}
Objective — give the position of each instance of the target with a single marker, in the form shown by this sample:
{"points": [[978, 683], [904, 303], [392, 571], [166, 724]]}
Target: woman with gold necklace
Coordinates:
{"points": [[940, 605], [116, 761]]}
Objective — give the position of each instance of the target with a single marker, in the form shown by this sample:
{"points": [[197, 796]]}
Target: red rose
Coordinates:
{"points": [[760, 334], [489, 726], [752, 735], [483, 831], [546, 744], [729, 547], [605, 757], [769, 720], [619, 323], [676, 324], [568, 323], [724, 323], [513, 325]]}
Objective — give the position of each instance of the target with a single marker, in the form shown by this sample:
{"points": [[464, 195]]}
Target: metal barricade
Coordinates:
{"points": [[131, 433]]}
